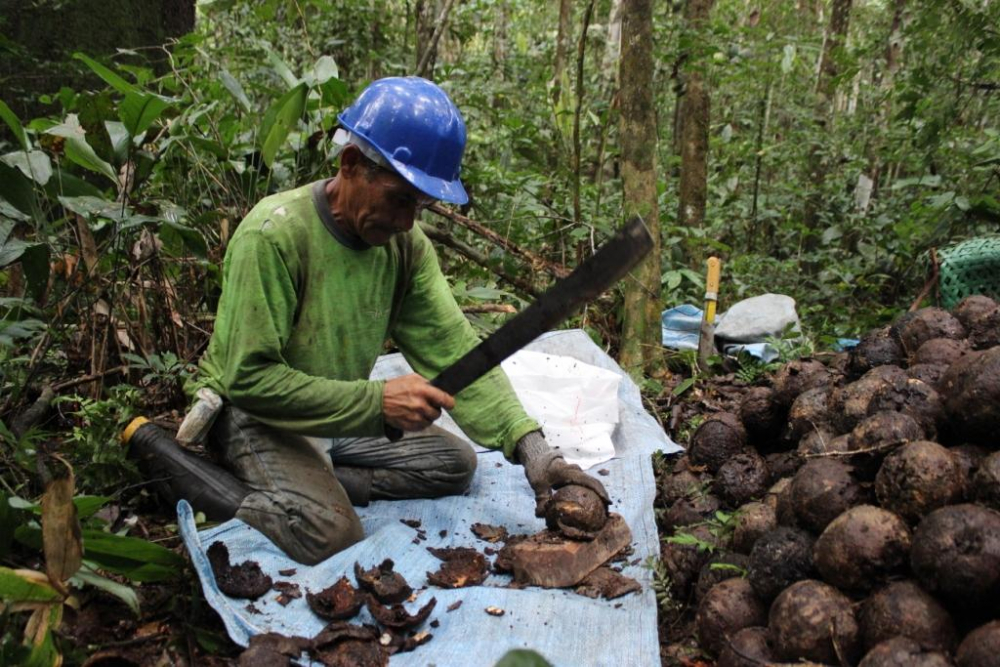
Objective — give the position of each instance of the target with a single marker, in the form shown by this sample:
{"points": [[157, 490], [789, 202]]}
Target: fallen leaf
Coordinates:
{"points": [[61, 539]]}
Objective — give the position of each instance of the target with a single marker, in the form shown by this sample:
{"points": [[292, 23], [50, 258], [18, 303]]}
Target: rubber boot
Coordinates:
{"points": [[178, 474], [357, 482]]}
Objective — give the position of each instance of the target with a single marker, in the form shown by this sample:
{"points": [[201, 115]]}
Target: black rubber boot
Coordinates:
{"points": [[357, 482], [177, 474]]}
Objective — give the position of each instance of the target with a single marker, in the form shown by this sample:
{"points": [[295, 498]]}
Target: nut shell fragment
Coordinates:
{"points": [[245, 580], [386, 585], [462, 567], [396, 617], [338, 602]]}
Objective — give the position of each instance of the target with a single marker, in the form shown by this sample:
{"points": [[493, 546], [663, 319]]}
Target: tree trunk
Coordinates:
{"points": [[893, 58], [640, 348], [818, 165], [425, 14], [378, 41], [563, 37], [500, 40], [694, 121], [613, 46], [581, 52], [763, 116], [425, 67]]}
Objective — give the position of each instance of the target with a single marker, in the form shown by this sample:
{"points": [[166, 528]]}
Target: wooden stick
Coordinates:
{"points": [[432, 47], [537, 262], [581, 52], [867, 450], [929, 284], [89, 378], [490, 308], [469, 252], [34, 414]]}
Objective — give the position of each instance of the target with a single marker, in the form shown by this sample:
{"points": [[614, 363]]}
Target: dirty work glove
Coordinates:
{"points": [[547, 471]]}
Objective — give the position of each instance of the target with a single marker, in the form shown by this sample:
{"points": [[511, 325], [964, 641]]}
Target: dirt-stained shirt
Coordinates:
{"points": [[305, 313]]}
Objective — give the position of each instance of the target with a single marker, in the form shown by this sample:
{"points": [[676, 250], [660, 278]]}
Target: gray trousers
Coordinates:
{"points": [[302, 494]]}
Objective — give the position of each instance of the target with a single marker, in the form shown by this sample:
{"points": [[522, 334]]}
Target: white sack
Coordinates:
{"points": [[576, 403]]}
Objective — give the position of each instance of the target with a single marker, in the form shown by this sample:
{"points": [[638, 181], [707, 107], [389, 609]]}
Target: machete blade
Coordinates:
{"points": [[608, 265]]}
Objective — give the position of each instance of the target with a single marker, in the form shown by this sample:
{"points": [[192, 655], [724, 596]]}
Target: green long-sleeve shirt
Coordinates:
{"points": [[305, 312]]}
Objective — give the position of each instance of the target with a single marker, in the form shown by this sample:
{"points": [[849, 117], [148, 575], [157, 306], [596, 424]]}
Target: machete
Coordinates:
{"points": [[607, 266]]}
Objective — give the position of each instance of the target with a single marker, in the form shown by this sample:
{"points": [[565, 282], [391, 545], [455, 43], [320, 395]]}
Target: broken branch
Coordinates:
{"points": [[469, 252], [490, 308], [89, 378], [537, 262]]}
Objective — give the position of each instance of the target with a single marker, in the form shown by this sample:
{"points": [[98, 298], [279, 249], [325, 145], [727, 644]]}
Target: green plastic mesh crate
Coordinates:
{"points": [[969, 267]]}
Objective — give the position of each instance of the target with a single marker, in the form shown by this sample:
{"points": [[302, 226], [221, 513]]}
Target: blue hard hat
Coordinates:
{"points": [[416, 127]]}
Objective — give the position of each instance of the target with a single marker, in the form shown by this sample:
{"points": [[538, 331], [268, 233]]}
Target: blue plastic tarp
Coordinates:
{"points": [[567, 629], [681, 328]]}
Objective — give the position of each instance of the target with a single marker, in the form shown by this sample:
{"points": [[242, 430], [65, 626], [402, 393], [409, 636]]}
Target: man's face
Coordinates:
{"points": [[386, 205]]}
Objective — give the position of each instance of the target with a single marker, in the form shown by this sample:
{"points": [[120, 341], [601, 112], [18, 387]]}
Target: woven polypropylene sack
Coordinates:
{"points": [[970, 267]]}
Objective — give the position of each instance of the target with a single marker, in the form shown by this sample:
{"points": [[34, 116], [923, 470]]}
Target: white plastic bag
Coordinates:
{"points": [[576, 403]]}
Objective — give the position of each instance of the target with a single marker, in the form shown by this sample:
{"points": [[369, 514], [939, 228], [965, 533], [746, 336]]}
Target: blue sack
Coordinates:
{"points": [[681, 327]]}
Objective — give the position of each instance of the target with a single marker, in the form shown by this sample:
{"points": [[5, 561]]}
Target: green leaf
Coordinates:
{"points": [[35, 262], [119, 136], [684, 386], [131, 557], [33, 164], [19, 586], [6, 227], [44, 654], [17, 502], [85, 505], [279, 120], [321, 72], [235, 89], [335, 93], [70, 185], [485, 293], [87, 576], [787, 58], [14, 123], [110, 551], [16, 330], [727, 567], [280, 67], [10, 213], [17, 189], [10, 519], [211, 641], [521, 657], [213, 147], [10, 249], [78, 150], [140, 110], [112, 79], [94, 207], [671, 279], [178, 236], [931, 181], [694, 277]]}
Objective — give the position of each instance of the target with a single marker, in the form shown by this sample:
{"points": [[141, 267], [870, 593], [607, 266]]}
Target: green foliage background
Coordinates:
{"points": [[117, 201]]}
